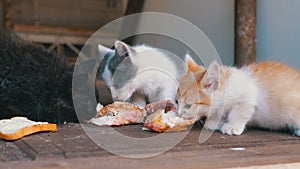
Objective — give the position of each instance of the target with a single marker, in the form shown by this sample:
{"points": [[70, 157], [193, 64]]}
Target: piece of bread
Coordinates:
{"points": [[118, 113], [18, 127], [165, 119]]}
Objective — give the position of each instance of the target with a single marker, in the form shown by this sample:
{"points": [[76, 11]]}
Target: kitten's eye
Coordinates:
{"points": [[187, 106]]}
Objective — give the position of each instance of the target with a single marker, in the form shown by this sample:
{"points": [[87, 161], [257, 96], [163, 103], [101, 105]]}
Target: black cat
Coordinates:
{"points": [[34, 82]]}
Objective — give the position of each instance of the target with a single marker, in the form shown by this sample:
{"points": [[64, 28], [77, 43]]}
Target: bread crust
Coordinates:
{"points": [[28, 130]]}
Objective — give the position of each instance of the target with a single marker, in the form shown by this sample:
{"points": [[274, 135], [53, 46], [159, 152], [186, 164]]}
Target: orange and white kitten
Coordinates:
{"points": [[265, 95]]}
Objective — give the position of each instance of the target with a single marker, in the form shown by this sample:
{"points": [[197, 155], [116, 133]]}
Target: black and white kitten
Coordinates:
{"points": [[34, 82], [139, 74]]}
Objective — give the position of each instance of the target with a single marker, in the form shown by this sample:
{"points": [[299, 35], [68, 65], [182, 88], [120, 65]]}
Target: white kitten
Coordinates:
{"points": [[265, 95], [139, 73]]}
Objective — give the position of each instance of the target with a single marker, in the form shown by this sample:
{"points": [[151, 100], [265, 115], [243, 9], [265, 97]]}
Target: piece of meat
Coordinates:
{"points": [[163, 118], [166, 105], [119, 113], [160, 121]]}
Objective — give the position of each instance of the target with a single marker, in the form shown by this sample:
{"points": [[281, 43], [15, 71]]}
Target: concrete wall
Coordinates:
{"points": [[214, 17], [278, 31]]}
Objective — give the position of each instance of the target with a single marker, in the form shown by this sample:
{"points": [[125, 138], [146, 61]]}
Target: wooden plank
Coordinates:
{"points": [[10, 152], [245, 33], [52, 30], [82, 146], [29, 151], [8, 14], [73, 48], [197, 159], [2, 14], [37, 146], [60, 50], [104, 38], [71, 147], [89, 14], [48, 38], [75, 143]]}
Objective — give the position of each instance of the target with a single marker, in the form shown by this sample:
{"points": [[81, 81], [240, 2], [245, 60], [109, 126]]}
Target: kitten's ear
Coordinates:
{"points": [[123, 49], [212, 77], [192, 65], [199, 75], [104, 50]]}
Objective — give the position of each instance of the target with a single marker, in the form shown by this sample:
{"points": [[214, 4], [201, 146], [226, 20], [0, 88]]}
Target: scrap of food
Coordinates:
{"points": [[18, 127], [158, 116], [166, 105], [117, 114], [165, 119]]}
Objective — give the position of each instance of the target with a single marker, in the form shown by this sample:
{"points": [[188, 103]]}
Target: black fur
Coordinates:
{"points": [[34, 82]]}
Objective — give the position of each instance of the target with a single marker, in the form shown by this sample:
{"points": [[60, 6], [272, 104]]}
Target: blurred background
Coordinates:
{"points": [[242, 31]]}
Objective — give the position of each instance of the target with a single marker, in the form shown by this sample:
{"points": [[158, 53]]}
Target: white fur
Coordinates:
{"points": [[236, 103], [157, 77], [248, 99], [107, 73]]}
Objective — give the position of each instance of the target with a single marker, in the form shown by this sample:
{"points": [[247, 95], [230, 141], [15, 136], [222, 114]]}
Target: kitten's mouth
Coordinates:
{"points": [[188, 116]]}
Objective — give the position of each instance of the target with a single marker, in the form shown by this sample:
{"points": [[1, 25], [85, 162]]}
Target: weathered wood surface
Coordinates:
{"points": [[2, 14], [71, 147], [88, 14], [52, 30], [245, 33]]}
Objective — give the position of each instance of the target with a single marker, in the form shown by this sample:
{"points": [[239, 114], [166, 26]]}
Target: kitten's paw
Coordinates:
{"points": [[211, 125], [231, 129]]}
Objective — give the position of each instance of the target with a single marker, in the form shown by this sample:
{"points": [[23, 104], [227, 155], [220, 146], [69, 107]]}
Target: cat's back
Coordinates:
{"points": [[275, 75], [279, 94], [153, 58], [279, 83]]}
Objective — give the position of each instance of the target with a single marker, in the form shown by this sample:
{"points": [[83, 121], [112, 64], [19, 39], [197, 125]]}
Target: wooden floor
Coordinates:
{"points": [[71, 147]]}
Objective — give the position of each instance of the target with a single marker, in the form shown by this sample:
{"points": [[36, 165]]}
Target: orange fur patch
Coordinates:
{"points": [[204, 100], [193, 66], [281, 85]]}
